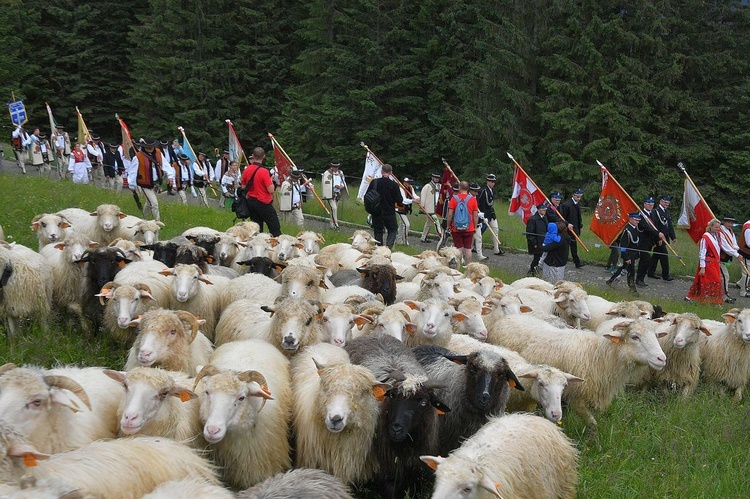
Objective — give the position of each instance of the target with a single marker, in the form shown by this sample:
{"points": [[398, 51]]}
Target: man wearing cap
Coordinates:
{"points": [[61, 143], [112, 164], [96, 157], [183, 177], [256, 180], [571, 211], [486, 202], [629, 246], [145, 174], [476, 243], [404, 210], [554, 214], [290, 199], [202, 175], [536, 228], [333, 186], [390, 195], [663, 222], [650, 237], [428, 196], [729, 249]]}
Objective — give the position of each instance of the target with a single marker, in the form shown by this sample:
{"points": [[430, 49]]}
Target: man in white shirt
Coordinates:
{"points": [[290, 199], [429, 199], [744, 243], [95, 153], [729, 249], [333, 186], [62, 145], [21, 143]]}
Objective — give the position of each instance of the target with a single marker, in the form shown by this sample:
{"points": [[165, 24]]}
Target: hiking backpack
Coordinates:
{"points": [[461, 216]]}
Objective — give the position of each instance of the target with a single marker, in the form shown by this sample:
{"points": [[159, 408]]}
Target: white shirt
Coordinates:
{"points": [[95, 150], [728, 241]]}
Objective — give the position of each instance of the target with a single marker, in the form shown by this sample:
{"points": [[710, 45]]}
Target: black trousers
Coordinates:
{"points": [[629, 269], [380, 224], [643, 265], [535, 261], [264, 213], [659, 255], [574, 249]]}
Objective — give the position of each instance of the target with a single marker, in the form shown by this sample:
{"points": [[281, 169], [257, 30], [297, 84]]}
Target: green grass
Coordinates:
{"points": [[652, 444]]}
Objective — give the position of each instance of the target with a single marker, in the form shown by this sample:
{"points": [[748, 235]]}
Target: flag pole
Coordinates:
{"points": [[306, 182], [182, 131], [546, 198], [640, 210], [242, 150], [419, 201], [681, 166]]}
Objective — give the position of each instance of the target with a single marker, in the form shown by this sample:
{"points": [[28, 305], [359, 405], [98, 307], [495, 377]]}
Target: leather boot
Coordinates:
{"points": [[631, 284]]}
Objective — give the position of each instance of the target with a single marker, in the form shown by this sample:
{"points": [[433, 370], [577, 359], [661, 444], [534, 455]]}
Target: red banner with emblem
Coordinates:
{"points": [[447, 181], [611, 212], [525, 197]]}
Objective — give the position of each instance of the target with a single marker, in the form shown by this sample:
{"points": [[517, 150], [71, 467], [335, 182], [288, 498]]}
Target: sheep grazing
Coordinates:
{"points": [[190, 487], [242, 320], [145, 231], [338, 321], [247, 427], [452, 257], [196, 293], [295, 323], [407, 425], [102, 265], [59, 410], [310, 242], [335, 413], [50, 228], [122, 468], [155, 405], [517, 455], [725, 355], [682, 347], [543, 385], [26, 286], [101, 225], [605, 362], [298, 483], [169, 339], [434, 322], [474, 386]]}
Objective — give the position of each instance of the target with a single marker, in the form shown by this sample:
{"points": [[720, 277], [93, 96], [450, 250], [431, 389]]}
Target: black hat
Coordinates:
{"points": [[541, 206], [201, 153], [224, 152], [146, 142], [436, 175], [60, 127], [407, 179], [455, 187], [665, 198], [95, 137], [296, 173], [556, 195], [729, 219], [164, 143], [42, 135], [578, 192], [335, 163], [473, 186], [491, 177], [636, 215], [649, 199], [183, 157], [113, 144]]}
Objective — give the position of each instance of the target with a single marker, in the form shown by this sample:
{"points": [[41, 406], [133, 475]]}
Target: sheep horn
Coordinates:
{"points": [[7, 367], [68, 384], [300, 233], [186, 316], [113, 244], [105, 291], [208, 370], [264, 393], [431, 385], [321, 239]]}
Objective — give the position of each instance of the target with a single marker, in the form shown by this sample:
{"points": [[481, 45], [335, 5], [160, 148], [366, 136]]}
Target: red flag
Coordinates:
{"points": [[283, 164], [611, 212], [525, 197], [446, 190], [127, 139], [695, 213]]}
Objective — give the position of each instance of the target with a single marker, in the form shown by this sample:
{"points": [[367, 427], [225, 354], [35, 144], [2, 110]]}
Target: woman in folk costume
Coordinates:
{"points": [[230, 181], [707, 286], [202, 175], [79, 165], [404, 210]]}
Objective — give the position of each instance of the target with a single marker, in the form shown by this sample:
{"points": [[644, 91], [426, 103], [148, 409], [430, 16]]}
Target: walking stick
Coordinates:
{"points": [[648, 219], [547, 200]]}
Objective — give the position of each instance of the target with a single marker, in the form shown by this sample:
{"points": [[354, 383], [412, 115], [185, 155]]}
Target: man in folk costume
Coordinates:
{"points": [[35, 150], [476, 244], [202, 175], [333, 186], [183, 177], [47, 154], [429, 198], [729, 249], [290, 199], [486, 201], [21, 143], [744, 243], [146, 174], [663, 222], [707, 286], [61, 143], [113, 165], [404, 210], [629, 246], [79, 165], [536, 228], [221, 167], [96, 157], [169, 165]]}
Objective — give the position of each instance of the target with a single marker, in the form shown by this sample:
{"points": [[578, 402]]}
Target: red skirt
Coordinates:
{"points": [[708, 288]]}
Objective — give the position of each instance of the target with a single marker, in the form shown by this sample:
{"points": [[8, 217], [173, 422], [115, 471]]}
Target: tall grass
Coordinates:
{"points": [[650, 444]]}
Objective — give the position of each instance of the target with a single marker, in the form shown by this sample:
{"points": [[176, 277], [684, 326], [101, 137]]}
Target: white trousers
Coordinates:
{"points": [[403, 229], [150, 204]]}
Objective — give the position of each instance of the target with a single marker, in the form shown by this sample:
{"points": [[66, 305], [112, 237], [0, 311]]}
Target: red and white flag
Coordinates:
{"points": [[695, 213], [525, 197], [612, 209], [127, 139], [284, 164]]}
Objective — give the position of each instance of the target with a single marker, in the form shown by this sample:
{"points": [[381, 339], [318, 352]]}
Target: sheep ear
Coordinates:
{"points": [[115, 375], [209, 259], [513, 381], [60, 246], [573, 379], [321, 239], [26, 451], [273, 241], [271, 309], [432, 461], [674, 321], [530, 374], [122, 215], [318, 366], [490, 486], [58, 396], [525, 309], [410, 328], [439, 405], [323, 284], [399, 277], [361, 320], [612, 338], [620, 325], [457, 359], [456, 289], [204, 279], [167, 272], [561, 298], [731, 316], [661, 334], [460, 316], [135, 322], [380, 390], [705, 330], [406, 316], [486, 310], [183, 394], [414, 305]]}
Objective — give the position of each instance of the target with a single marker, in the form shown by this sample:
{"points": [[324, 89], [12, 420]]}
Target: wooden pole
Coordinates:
{"points": [[546, 199], [306, 180]]}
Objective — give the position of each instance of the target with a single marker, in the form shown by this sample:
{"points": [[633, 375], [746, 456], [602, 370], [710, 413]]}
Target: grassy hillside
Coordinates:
{"points": [[650, 444]]}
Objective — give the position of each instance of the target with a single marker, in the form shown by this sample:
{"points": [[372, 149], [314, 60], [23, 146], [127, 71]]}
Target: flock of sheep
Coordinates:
{"points": [[284, 368]]}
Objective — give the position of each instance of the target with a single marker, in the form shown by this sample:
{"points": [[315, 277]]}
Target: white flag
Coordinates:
{"points": [[373, 168]]}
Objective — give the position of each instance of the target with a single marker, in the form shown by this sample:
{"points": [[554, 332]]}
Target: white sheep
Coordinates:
{"points": [[472, 323], [131, 250], [516, 455], [568, 301], [394, 320], [26, 285], [240, 233], [49, 227], [295, 324], [725, 355], [339, 319], [601, 309], [67, 273], [242, 320], [452, 257], [255, 287], [145, 231], [502, 305], [335, 413], [59, 410], [434, 322], [258, 246], [245, 405], [310, 242], [252, 228], [169, 339], [283, 248], [190, 487], [605, 362], [198, 294], [299, 281], [532, 283], [101, 225], [301, 482], [341, 293], [681, 345], [155, 404]]}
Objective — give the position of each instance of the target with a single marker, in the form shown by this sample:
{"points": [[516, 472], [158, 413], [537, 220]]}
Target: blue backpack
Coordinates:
{"points": [[461, 216]]}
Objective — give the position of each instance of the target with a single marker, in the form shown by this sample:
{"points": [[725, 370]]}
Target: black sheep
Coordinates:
{"points": [[102, 264]]}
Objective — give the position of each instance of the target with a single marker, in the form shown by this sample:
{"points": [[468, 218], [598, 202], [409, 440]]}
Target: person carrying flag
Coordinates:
{"points": [[390, 195], [429, 196], [486, 202], [145, 174], [333, 185]]}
